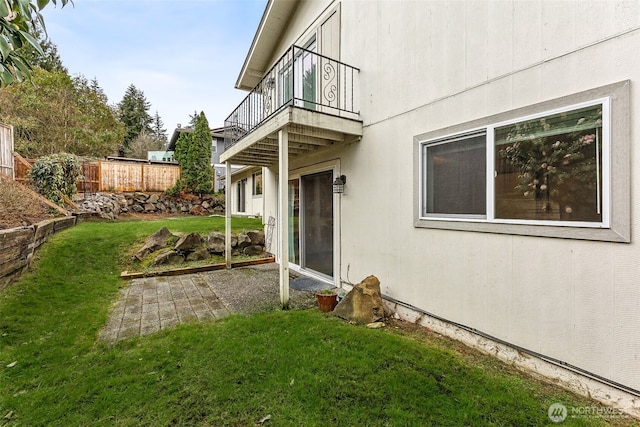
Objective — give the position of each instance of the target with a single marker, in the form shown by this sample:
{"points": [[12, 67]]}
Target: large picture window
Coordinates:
{"points": [[550, 168], [560, 168], [546, 168]]}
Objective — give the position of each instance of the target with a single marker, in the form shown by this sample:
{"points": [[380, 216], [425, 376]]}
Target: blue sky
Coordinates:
{"points": [[185, 55]]}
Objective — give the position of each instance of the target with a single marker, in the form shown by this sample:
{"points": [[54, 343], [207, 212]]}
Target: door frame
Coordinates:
{"points": [[334, 167]]}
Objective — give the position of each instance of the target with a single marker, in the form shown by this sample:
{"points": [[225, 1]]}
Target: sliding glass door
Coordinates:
{"points": [[311, 222]]}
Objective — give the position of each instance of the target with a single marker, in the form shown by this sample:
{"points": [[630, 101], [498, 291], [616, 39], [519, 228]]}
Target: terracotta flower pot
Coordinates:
{"points": [[327, 302]]}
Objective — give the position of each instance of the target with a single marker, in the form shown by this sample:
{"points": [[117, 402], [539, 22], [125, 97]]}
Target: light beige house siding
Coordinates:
{"points": [[428, 65]]}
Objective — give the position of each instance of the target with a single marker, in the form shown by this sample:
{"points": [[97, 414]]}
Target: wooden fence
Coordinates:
{"points": [[125, 176], [6, 151], [116, 175]]}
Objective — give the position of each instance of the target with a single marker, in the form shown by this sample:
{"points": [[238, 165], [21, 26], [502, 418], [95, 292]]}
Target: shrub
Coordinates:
{"points": [[176, 189], [56, 175]]}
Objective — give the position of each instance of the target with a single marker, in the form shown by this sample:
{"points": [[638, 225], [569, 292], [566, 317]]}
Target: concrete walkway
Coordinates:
{"points": [[150, 304]]}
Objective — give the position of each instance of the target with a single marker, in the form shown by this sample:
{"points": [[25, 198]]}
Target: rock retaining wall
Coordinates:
{"points": [[110, 205], [18, 245], [194, 247]]}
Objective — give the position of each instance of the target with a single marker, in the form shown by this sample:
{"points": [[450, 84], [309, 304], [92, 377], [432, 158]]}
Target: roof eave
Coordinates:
{"points": [[274, 20]]}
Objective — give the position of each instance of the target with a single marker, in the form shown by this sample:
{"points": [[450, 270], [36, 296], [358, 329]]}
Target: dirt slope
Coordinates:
{"points": [[18, 206]]}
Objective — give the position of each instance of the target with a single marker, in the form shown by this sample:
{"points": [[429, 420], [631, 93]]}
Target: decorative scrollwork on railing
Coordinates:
{"points": [[292, 81], [268, 104], [329, 77]]}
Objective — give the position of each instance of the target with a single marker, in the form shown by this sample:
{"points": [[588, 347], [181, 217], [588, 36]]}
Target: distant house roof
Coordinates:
{"points": [[126, 159], [215, 133]]}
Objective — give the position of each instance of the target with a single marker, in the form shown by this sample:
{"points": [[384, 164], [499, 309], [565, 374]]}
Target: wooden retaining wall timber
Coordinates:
{"points": [[18, 245]]}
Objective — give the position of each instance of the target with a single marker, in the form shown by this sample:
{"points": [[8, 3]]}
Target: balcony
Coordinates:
{"points": [[312, 97]]}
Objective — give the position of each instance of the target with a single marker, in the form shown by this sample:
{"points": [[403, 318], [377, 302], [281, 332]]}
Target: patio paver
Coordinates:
{"points": [[150, 304]]}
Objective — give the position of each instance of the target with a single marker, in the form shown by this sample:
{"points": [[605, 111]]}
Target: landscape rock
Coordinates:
{"points": [[198, 255], [363, 304], [253, 250], [257, 237], [188, 243], [376, 325], [216, 243], [243, 241], [157, 240], [171, 257]]}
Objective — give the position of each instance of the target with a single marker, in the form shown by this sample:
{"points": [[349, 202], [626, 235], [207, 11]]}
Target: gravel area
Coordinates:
{"points": [[254, 289]]}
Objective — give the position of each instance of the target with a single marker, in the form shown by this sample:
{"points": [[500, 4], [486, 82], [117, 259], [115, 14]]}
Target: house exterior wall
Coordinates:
{"points": [[217, 147], [429, 65], [253, 203]]}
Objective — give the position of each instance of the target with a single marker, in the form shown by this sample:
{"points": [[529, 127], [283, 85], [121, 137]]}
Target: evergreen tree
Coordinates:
{"points": [[48, 59], [193, 118], [182, 146], [133, 112], [158, 130], [193, 152], [197, 173]]}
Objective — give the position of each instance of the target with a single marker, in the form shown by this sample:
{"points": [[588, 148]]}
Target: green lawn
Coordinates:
{"points": [[297, 368]]}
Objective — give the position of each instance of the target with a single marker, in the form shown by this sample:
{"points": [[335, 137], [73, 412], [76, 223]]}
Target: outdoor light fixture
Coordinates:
{"points": [[338, 184]]}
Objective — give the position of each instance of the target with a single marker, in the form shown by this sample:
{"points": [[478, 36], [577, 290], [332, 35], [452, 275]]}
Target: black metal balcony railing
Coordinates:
{"points": [[300, 78]]}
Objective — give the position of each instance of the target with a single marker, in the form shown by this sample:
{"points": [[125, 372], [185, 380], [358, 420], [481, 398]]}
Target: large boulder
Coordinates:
{"points": [[363, 304], [188, 243], [157, 240]]}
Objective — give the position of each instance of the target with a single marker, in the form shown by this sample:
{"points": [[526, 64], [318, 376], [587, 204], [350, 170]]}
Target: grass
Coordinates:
{"points": [[296, 367]]}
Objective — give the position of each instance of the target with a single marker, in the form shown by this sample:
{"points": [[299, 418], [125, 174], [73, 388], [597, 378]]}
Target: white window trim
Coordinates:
{"points": [[435, 142], [615, 224], [254, 194]]}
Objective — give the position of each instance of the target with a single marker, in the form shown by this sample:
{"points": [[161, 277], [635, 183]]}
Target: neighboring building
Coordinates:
{"points": [[217, 147], [487, 150], [164, 156], [246, 191]]}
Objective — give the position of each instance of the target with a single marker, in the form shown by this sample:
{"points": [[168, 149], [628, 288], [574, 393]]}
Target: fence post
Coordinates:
{"points": [[100, 179]]}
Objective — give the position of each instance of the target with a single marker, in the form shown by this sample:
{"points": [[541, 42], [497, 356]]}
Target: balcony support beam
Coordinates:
{"points": [[227, 215], [283, 212]]}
